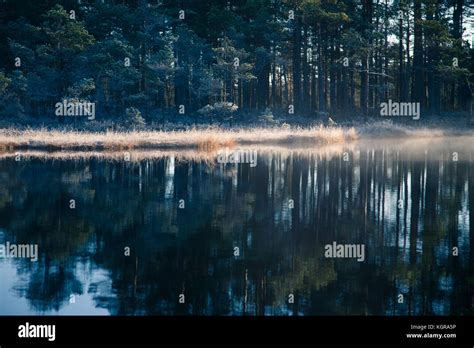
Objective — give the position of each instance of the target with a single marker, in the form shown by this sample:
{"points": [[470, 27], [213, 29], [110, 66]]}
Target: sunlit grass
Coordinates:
{"points": [[439, 148], [208, 139], [212, 138]]}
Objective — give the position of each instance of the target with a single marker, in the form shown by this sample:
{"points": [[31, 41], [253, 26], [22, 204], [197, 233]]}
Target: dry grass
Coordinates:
{"points": [[209, 139], [417, 148], [212, 138]]}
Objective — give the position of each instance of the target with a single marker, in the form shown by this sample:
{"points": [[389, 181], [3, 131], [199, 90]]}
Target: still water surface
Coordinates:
{"points": [[243, 238]]}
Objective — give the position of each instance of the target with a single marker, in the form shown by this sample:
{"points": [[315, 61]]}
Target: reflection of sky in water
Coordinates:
{"points": [[12, 304]]}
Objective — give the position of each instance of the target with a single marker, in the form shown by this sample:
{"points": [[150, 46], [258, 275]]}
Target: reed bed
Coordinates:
{"points": [[208, 139]]}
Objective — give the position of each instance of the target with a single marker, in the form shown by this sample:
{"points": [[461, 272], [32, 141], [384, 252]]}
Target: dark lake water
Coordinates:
{"points": [[244, 240]]}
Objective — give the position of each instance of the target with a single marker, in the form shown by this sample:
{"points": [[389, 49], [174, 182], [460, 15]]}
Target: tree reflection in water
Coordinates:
{"points": [[409, 211]]}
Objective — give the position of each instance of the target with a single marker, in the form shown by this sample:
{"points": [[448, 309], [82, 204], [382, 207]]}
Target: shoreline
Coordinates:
{"points": [[214, 138], [207, 139], [441, 148]]}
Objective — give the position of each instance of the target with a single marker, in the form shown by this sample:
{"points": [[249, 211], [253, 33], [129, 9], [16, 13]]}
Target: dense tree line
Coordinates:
{"points": [[308, 56]]}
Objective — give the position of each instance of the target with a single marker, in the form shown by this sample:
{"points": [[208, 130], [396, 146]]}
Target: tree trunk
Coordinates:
{"points": [[364, 76], [321, 92], [418, 92], [306, 74], [297, 65], [401, 82]]}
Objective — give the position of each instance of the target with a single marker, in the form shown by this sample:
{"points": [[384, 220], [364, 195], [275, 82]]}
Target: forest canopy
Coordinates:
{"points": [[307, 57]]}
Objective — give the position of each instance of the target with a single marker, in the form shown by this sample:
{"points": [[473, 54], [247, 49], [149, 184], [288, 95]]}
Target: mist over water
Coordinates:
{"points": [[410, 204]]}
